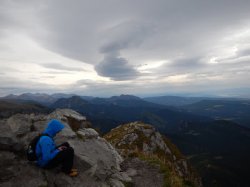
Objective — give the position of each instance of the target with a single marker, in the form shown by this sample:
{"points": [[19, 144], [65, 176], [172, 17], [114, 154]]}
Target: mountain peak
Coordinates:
{"points": [[74, 102], [141, 140], [125, 97], [37, 97]]}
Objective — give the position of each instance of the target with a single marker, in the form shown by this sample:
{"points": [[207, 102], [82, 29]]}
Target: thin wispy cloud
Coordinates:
{"points": [[58, 66]]}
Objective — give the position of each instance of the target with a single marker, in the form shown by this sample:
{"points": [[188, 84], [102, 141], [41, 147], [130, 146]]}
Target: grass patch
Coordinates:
{"points": [[81, 137], [128, 184], [170, 164], [171, 178]]}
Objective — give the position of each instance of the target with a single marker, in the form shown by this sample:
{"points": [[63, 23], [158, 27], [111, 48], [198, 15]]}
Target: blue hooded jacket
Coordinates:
{"points": [[45, 148]]}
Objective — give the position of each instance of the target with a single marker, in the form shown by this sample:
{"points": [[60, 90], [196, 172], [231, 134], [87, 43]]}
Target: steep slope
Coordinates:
{"points": [[144, 142], [10, 107], [75, 102], [234, 110], [44, 99], [173, 100], [62, 95], [124, 101], [219, 150]]}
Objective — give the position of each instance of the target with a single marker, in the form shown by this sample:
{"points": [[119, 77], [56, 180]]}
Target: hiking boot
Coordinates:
{"points": [[73, 173]]}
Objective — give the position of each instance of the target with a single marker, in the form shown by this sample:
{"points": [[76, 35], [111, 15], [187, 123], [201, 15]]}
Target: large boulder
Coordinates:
{"points": [[97, 161]]}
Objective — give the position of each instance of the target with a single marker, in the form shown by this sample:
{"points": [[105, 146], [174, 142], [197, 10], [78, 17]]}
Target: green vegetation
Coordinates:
{"points": [[220, 153], [128, 184], [171, 178], [167, 162], [81, 137]]}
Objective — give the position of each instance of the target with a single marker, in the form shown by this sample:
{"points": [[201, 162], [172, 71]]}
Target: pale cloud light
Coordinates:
{"points": [[149, 65], [137, 47], [213, 60], [177, 79], [31, 61]]}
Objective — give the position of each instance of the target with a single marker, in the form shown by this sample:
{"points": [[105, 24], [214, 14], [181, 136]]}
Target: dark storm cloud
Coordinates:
{"points": [[117, 68], [121, 37]]}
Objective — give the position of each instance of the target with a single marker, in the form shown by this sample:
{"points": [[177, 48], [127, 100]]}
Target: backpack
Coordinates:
{"points": [[31, 150]]}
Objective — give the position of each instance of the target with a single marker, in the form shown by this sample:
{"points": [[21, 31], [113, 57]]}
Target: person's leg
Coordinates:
{"points": [[64, 158], [68, 161], [66, 144]]}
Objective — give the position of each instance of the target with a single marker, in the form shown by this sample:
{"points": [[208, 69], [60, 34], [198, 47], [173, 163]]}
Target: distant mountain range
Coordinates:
{"points": [[173, 100], [207, 130], [107, 113], [125, 101], [233, 109], [126, 108], [183, 101], [41, 98], [10, 107]]}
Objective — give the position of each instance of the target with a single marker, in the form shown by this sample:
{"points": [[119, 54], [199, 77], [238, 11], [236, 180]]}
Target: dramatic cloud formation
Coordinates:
{"points": [[115, 67], [138, 47]]}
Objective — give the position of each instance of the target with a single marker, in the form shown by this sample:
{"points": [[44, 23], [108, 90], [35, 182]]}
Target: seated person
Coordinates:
{"points": [[49, 155]]}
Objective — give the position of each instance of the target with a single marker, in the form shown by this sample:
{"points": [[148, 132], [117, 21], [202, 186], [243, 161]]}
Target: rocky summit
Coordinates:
{"points": [[97, 161], [146, 149], [137, 156]]}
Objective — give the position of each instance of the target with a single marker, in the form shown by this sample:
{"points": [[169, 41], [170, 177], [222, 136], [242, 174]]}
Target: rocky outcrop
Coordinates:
{"points": [[141, 141], [97, 161], [143, 173], [141, 157]]}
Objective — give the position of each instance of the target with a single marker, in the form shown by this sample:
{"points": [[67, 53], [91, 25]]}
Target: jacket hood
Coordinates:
{"points": [[54, 126]]}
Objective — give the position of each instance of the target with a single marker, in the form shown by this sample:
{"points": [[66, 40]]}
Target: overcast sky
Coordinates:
{"points": [[112, 47]]}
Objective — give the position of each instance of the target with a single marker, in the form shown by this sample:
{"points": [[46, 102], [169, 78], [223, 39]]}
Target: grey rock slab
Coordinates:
{"points": [[18, 173], [99, 154], [20, 124], [87, 133], [131, 172], [146, 174], [8, 140], [115, 183], [63, 113]]}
